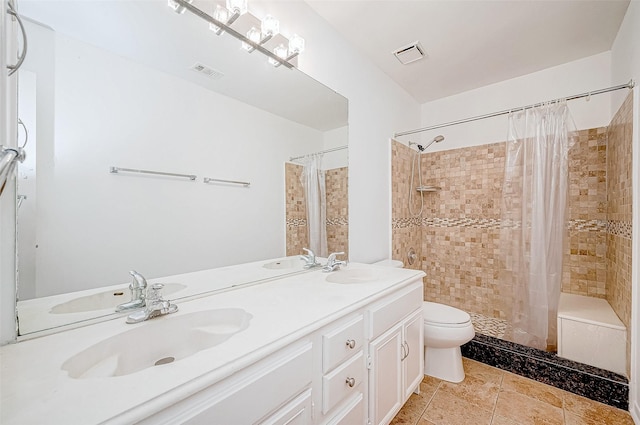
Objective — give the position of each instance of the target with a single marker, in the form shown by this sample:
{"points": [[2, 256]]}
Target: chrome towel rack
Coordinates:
{"points": [[210, 180], [116, 170], [192, 177]]}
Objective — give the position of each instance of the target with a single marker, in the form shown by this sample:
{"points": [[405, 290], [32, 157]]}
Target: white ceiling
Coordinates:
{"points": [[150, 33], [471, 44]]}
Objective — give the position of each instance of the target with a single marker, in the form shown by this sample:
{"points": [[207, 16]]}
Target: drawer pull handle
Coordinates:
{"points": [[351, 382], [351, 343]]}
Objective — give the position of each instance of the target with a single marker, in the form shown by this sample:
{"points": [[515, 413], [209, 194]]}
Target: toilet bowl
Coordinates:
{"points": [[445, 329]]}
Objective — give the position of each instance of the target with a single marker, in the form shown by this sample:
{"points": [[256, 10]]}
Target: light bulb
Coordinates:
{"points": [[296, 44], [177, 7], [221, 15], [279, 51], [237, 6], [254, 35], [270, 26]]}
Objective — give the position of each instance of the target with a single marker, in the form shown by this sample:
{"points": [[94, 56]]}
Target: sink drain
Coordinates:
{"points": [[164, 360]]}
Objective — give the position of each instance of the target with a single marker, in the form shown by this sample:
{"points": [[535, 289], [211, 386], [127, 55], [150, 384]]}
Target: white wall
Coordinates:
{"points": [[625, 53], [377, 108], [575, 77], [146, 119], [625, 65], [7, 201], [334, 139]]}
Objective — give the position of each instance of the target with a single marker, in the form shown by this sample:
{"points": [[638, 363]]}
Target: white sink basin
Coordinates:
{"points": [[285, 263], [352, 276], [107, 299], [156, 342]]}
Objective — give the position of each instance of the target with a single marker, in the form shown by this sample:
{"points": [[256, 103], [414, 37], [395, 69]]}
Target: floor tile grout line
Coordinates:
{"points": [[495, 405], [429, 402]]}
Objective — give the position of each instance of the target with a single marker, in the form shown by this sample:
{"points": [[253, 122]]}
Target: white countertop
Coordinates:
{"points": [[35, 390], [37, 317]]}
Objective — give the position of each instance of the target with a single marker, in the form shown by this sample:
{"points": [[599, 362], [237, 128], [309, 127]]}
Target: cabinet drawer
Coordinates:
{"points": [[296, 412], [342, 342], [336, 385], [249, 395], [352, 414], [390, 311]]}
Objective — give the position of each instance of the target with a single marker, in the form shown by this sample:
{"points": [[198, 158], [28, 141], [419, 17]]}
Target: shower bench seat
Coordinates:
{"points": [[590, 332]]}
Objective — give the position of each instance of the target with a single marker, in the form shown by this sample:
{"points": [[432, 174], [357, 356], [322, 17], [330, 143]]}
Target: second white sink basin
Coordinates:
{"points": [[156, 342], [106, 299], [285, 263], [352, 276]]}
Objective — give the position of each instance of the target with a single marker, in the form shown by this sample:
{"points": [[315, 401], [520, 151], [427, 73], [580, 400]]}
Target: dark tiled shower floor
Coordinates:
{"points": [[587, 381]]}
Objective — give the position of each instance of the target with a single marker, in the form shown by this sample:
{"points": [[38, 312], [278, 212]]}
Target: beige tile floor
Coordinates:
{"points": [[490, 396]]}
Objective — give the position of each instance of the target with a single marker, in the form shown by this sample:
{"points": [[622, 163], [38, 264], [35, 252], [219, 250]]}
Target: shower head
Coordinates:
{"points": [[436, 139]]}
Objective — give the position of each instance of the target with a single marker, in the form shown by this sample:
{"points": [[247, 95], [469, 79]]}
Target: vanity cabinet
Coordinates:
{"points": [[395, 353], [274, 391], [357, 370], [344, 371]]}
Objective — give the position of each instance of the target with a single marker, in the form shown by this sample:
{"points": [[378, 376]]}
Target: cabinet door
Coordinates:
{"points": [[385, 385], [412, 365]]}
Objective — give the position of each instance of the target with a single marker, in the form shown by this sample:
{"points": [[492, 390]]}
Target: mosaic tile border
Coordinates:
{"points": [[337, 221], [476, 223], [588, 225], [296, 222], [332, 221], [587, 381], [490, 326], [620, 228], [403, 223]]}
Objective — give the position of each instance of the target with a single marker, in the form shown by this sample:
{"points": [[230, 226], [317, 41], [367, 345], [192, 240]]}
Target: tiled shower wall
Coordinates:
{"points": [[458, 236], [336, 181], [618, 258]]}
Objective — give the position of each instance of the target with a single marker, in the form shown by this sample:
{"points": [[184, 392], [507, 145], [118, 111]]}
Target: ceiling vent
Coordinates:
{"points": [[209, 72], [410, 53]]}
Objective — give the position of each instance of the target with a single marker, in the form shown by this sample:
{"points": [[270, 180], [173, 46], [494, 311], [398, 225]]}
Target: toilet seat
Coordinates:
{"points": [[441, 315]]}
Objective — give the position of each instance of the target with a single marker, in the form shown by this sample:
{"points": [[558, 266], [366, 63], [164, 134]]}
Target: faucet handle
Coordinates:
{"points": [[332, 256], [138, 280], [309, 259], [154, 293]]}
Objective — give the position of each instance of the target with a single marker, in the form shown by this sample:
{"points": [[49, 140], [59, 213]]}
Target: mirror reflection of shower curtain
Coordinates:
{"points": [[533, 233], [314, 184]]}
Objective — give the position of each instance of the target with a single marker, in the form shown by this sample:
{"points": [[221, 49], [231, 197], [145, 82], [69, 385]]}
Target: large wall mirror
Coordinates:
{"points": [[112, 84]]}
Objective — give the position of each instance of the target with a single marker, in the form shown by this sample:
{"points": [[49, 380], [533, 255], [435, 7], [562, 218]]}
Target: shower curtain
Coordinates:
{"points": [[314, 184], [533, 232]]}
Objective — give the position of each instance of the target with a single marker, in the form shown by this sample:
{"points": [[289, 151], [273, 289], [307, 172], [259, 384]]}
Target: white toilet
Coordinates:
{"points": [[445, 329]]}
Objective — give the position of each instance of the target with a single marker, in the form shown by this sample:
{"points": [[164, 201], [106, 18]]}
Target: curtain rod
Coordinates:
{"points": [[629, 85], [293, 158]]}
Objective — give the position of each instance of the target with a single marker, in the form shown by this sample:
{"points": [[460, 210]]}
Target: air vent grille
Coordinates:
{"points": [[208, 71], [410, 53]]}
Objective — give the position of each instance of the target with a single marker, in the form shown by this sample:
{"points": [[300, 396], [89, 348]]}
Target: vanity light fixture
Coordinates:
{"points": [[177, 7], [255, 39], [219, 14]]}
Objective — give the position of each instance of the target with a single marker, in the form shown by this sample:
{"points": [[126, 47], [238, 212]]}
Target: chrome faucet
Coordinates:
{"points": [[138, 288], [332, 263], [155, 306], [309, 259]]}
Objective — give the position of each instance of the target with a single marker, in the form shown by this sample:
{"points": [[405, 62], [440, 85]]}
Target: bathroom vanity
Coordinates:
{"points": [[315, 348]]}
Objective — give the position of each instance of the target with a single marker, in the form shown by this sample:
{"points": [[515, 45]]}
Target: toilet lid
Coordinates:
{"points": [[443, 314]]}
